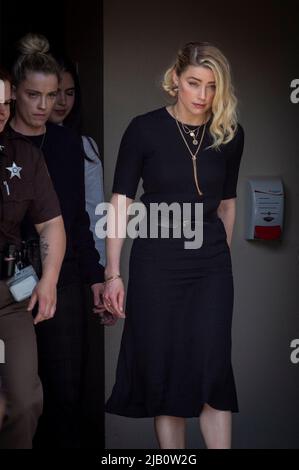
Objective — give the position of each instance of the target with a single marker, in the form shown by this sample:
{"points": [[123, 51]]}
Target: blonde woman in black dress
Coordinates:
{"points": [[175, 356]]}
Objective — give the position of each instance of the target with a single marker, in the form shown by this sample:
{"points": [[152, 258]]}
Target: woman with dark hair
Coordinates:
{"points": [[175, 356], [67, 111], [36, 78], [25, 189], [68, 106]]}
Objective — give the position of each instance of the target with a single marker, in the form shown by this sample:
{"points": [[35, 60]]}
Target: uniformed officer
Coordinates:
{"points": [[25, 188]]}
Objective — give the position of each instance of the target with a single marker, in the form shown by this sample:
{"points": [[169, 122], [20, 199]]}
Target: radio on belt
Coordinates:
{"points": [[264, 208]]}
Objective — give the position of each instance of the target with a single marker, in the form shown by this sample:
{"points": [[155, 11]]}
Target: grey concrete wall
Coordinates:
{"points": [[261, 41]]}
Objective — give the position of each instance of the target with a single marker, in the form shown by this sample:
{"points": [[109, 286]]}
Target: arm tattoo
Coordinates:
{"points": [[44, 248]]}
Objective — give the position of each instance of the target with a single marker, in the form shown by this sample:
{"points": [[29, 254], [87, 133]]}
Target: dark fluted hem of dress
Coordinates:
{"points": [[166, 412], [135, 412]]}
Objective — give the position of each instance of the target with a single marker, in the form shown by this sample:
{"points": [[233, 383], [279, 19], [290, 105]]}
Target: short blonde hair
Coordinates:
{"points": [[224, 108]]}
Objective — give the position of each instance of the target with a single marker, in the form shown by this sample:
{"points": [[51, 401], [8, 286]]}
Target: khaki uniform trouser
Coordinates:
{"points": [[19, 374]]}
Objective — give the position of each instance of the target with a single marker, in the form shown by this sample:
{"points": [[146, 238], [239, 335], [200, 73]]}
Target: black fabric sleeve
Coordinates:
{"points": [[91, 271], [129, 162], [233, 165]]}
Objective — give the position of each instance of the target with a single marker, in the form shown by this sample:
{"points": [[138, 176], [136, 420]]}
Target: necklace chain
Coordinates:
{"points": [[193, 155], [43, 141]]}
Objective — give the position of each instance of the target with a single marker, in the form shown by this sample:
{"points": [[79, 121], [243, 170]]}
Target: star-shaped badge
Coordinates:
{"points": [[14, 170]]}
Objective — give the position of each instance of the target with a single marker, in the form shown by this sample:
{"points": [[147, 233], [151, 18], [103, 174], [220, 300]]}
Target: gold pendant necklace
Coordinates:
{"points": [[193, 155], [192, 133]]}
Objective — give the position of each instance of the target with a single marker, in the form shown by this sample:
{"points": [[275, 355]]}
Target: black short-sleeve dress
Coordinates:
{"points": [[175, 352]]}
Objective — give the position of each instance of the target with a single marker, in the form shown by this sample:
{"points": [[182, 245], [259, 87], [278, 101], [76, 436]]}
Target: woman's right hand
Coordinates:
{"points": [[113, 297]]}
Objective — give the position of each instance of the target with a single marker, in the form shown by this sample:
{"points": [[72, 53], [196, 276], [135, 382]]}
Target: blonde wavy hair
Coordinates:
{"points": [[34, 56], [224, 108]]}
